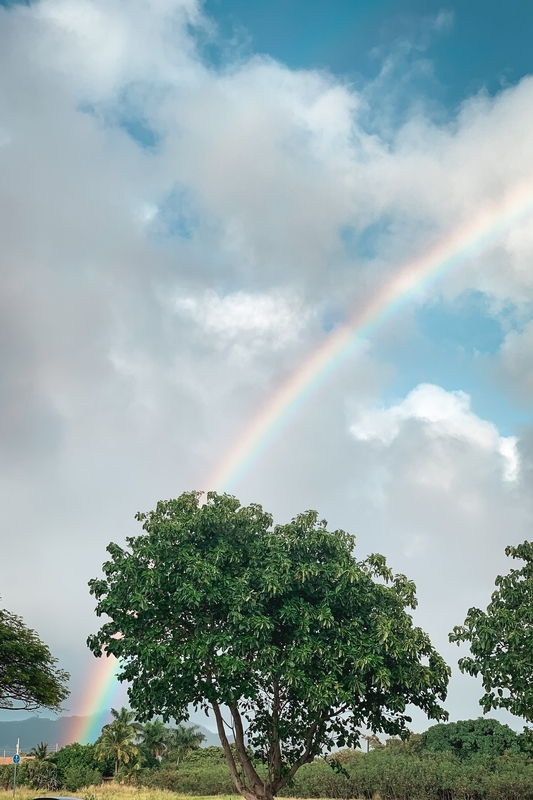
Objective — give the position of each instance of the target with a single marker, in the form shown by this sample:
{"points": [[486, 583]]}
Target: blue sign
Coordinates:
{"points": [[16, 758]]}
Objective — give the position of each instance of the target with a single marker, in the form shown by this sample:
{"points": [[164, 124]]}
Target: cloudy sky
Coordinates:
{"points": [[193, 198]]}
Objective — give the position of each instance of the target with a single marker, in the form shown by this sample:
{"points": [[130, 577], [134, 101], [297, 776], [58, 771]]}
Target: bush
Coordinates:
{"points": [[76, 777], [81, 757], [40, 775], [396, 773], [188, 779], [319, 779], [6, 776], [203, 772]]}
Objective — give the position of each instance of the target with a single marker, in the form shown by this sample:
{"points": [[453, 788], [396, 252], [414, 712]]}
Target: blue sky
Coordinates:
{"points": [[193, 197], [486, 46]]}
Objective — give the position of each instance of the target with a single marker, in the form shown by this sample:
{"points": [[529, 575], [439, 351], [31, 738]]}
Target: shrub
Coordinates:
{"points": [[41, 775], [6, 776], [202, 772], [188, 779], [77, 776], [319, 780], [396, 773], [80, 756]]}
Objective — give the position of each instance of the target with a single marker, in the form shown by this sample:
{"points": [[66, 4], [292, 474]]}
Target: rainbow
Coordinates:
{"points": [[467, 241], [98, 700]]}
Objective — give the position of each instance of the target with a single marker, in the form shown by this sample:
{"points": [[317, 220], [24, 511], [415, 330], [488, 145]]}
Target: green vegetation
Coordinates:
{"points": [[501, 640], [302, 643], [29, 678], [40, 753], [113, 791], [116, 742], [485, 737], [124, 751], [470, 760]]}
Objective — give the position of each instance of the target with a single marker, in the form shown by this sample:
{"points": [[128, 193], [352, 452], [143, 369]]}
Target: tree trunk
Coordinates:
{"points": [[255, 789]]}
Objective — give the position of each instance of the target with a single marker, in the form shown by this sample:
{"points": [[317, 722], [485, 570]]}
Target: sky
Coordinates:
{"points": [[194, 197]]}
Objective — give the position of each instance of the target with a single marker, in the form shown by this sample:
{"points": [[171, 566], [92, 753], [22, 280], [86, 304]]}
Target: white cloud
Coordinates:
{"points": [[268, 319], [442, 416]]}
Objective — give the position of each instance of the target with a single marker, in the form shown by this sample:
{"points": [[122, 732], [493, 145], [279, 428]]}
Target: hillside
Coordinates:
{"points": [[59, 731]]}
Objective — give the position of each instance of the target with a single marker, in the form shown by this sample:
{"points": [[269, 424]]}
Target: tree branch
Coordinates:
{"points": [[275, 749], [306, 757], [253, 778], [239, 785]]}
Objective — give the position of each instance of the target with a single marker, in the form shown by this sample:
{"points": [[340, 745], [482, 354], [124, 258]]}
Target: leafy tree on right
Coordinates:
{"points": [[501, 640]]}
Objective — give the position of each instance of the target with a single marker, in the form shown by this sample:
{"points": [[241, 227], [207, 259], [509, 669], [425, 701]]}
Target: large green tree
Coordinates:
{"points": [[29, 678], [501, 640], [300, 643]]}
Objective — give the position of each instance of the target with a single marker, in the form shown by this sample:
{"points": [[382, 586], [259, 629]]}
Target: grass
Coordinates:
{"points": [[109, 791], [113, 791]]}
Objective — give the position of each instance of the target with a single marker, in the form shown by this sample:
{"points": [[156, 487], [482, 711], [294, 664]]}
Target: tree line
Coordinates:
{"points": [[470, 760]]}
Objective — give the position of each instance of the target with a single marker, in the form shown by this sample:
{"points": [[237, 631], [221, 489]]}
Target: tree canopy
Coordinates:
{"points": [[29, 678], [117, 741], [501, 640], [182, 740], [282, 626], [467, 738]]}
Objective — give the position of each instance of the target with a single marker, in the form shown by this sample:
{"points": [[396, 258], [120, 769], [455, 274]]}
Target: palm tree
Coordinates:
{"points": [[127, 718], [40, 753], [116, 741], [182, 740], [154, 736]]}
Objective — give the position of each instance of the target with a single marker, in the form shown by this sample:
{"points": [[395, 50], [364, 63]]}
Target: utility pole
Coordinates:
{"points": [[16, 759]]}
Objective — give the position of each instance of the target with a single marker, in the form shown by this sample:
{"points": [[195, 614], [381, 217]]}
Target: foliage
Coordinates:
{"points": [[302, 643], [77, 759], [501, 640], [394, 773], [40, 753], [29, 678], [6, 775], [41, 775], [471, 737], [127, 718], [202, 771], [76, 777], [181, 741], [116, 741], [191, 780], [154, 736]]}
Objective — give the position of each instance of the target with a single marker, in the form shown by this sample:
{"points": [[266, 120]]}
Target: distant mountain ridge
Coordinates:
{"points": [[57, 732]]}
